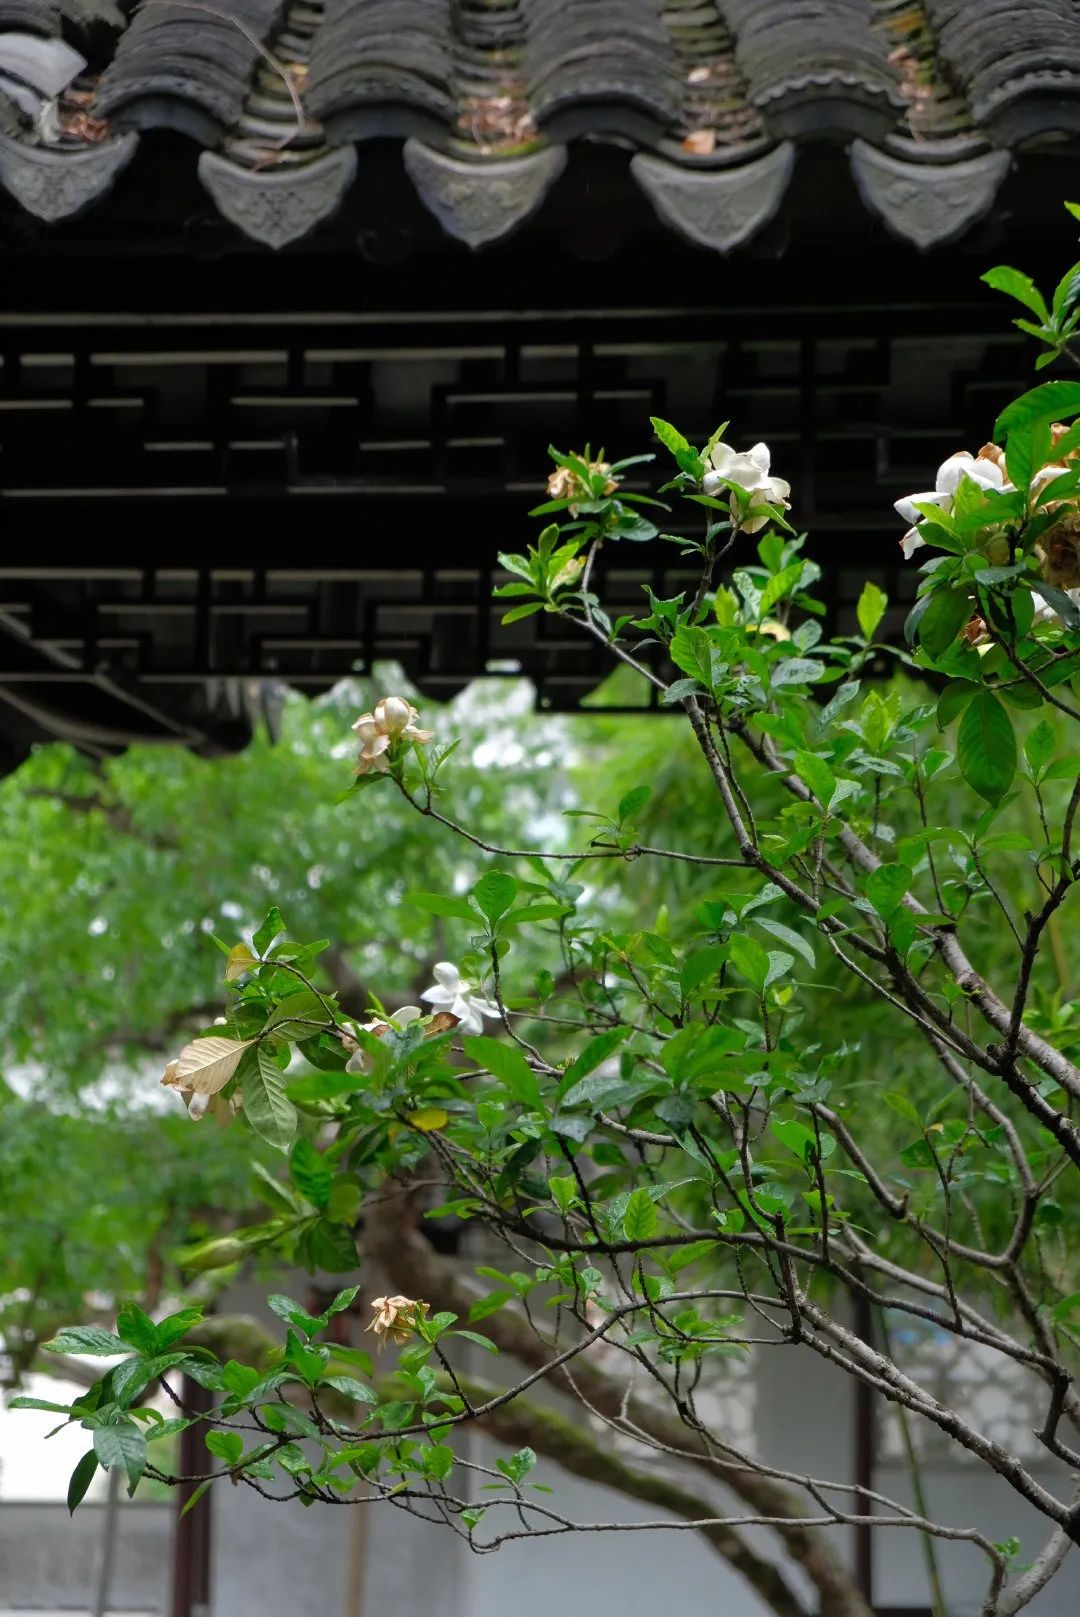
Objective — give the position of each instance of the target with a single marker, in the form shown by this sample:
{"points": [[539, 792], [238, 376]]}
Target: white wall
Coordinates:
{"points": [[50, 1559]]}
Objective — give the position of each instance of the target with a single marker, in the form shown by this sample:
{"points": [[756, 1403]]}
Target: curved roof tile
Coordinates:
{"points": [[280, 92]]}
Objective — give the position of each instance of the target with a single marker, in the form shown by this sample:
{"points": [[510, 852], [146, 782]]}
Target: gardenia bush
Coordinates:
{"points": [[664, 1132]]}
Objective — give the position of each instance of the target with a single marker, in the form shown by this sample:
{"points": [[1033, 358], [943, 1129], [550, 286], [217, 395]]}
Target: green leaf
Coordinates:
{"points": [[39, 1403], [227, 1446], [640, 1218], [686, 457], [495, 894], [1017, 285], [942, 621], [269, 1111], [80, 1480], [240, 1379], [136, 1328], [779, 966], [693, 651], [1039, 747], [310, 1173], [479, 1341], [518, 1466], [816, 774], [786, 935], [175, 1326], [458, 909], [529, 913], [778, 586], [491, 1304], [750, 960], [1028, 448], [871, 608], [1052, 401], [86, 1339], [355, 1356], [193, 1500], [291, 1015], [795, 1136], [319, 1086], [703, 965], [595, 1051], [271, 928], [986, 747], [527, 610], [122, 1445], [331, 1247], [886, 887], [438, 1460], [953, 700], [507, 1064], [796, 671], [345, 1200], [351, 1388], [633, 802], [902, 1106]]}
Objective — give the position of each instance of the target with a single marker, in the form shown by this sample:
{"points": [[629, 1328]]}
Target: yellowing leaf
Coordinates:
{"points": [[206, 1065], [429, 1118], [240, 961]]}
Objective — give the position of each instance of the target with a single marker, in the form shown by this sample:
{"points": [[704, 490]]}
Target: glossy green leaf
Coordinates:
{"points": [[640, 1218], [871, 608], [986, 747], [267, 1108], [81, 1478]]}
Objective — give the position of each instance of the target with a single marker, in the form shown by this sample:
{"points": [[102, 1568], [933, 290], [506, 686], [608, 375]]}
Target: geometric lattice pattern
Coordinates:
{"points": [[203, 503]]}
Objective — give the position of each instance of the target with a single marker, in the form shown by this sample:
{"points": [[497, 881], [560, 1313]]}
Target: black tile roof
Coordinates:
{"points": [[713, 98]]}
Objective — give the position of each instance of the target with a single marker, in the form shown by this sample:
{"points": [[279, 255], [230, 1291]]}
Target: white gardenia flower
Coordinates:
{"points": [[392, 719], [984, 472], [750, 472], [1048, 474], [450, 993], [360, 1061]]}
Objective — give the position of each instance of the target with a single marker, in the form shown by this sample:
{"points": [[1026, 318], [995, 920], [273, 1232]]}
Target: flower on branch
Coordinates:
{"points": [[396, 1318], [566, 484], [748, 472], [201, 1070], [450, 992], [393, 719], [986, 470], [1057, 550]]}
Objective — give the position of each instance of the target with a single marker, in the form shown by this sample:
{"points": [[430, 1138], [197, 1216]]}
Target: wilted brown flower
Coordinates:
{"points": [[395, 1318], [565, 484]]}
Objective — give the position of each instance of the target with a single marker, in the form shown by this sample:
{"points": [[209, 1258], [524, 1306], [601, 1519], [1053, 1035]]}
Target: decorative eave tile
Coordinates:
{"points": [[480, 202], [717, 208], [58, 182], [278, 206], [925, 203]]}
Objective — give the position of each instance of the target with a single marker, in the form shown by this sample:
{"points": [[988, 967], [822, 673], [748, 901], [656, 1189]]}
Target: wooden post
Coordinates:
{"points": [[864, 1460], [191, 1537]]}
